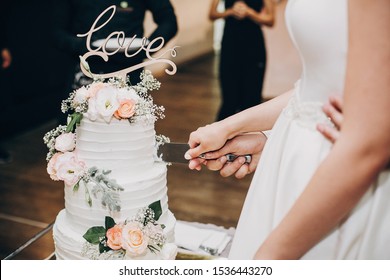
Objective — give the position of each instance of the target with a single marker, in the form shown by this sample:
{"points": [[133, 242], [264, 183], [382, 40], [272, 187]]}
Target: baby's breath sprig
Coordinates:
{"points": [[148, 81], [50, 140], [118, 82]]}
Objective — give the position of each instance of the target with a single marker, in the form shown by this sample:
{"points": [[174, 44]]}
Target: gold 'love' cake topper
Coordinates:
{"points": [[124, 46]]}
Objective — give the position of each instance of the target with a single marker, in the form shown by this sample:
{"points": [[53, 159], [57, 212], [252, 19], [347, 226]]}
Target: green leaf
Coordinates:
{"points": [[109, 222], [153, 249], [75, 119], [76, 187], [95, 234], [156, 207], [103, 248], [88, 197]]}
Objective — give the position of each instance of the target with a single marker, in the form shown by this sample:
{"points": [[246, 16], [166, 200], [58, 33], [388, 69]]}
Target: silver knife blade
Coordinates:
{"points": [[173, 152]]}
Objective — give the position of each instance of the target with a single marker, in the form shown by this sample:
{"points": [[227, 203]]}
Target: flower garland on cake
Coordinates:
{"points": [[131, 238]]}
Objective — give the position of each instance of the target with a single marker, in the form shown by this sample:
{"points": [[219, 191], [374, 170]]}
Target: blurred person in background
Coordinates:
{"points": [[243, 52], [5, 62]]}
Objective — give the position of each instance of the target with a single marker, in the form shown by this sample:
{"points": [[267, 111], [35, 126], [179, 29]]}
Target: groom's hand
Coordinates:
{"points": [[250, 143]]}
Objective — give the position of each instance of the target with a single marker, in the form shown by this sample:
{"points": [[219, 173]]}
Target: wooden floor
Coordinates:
{"points": [[29, 200]]}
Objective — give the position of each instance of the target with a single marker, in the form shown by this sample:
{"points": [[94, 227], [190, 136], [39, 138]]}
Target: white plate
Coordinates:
{"points": [[112, 44]]}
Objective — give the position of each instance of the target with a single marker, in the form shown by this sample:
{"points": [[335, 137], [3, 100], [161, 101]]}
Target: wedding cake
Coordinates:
{"points": [[116, 204]]}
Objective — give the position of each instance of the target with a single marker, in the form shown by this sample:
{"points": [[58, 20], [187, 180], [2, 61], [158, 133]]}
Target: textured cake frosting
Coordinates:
{"points": [[129, 151]]}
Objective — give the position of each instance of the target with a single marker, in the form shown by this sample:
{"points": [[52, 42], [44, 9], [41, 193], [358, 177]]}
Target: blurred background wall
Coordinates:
{"points": [[35, 76], [196, 33]]}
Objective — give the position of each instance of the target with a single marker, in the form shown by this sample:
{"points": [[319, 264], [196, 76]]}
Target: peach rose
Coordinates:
{"points": [[114, 237], [133, 239], [126, 109]]}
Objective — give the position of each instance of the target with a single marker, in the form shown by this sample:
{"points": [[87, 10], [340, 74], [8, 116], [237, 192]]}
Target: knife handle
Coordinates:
{"points": [[232, 157]]}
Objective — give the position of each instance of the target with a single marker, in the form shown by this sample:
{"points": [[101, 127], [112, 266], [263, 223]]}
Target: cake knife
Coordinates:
{"points": [[173, 152]]}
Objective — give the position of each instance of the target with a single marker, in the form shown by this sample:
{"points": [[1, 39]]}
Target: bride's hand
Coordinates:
{"points": [[205, 139], [250, 143], [333, 110]]}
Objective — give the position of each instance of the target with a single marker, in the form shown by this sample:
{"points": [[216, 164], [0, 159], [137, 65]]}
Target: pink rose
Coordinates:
{"points": [[126, 109], [94, 88], [65, 142], [71, 171], [133, 239], [51, 170], [66, 167], [114, 237]]}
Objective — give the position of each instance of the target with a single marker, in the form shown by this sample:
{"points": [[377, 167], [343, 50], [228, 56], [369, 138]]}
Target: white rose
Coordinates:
{"points": [[81, 96], [107, 103], [65, 142], [92, 113]]}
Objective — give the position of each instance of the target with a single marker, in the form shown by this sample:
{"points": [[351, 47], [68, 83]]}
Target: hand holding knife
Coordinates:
{"points": [[174, 153], [232, 157]]}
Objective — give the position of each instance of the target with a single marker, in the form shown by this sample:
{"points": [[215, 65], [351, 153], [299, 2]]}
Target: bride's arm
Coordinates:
{"points": [[362, 149], [258, 118]]}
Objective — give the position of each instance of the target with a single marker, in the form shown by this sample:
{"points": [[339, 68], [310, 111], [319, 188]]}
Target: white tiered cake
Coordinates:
{"points": [[116, 203]]}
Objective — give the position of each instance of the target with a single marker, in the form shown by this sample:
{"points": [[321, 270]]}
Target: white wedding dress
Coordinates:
{"points": [[295, 149]]}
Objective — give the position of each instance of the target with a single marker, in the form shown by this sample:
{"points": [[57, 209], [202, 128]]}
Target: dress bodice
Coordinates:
{"points": [[318, 29]]}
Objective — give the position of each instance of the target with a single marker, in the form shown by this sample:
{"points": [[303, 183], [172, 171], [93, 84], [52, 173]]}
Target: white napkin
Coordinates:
{"points": [[194, 239]]}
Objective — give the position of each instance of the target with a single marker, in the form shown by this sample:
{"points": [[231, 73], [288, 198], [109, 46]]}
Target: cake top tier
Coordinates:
{"points": [[110, 102]]}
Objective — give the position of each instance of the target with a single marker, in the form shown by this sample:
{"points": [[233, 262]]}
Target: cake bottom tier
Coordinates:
{"points": [[69, 243]]}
